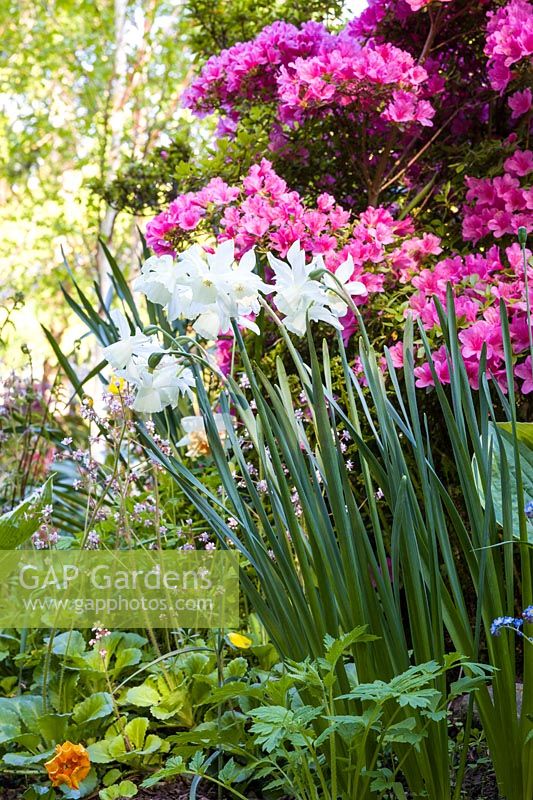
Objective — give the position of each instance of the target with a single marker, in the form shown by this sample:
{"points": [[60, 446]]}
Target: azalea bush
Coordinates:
{"points": [[389, 98]]}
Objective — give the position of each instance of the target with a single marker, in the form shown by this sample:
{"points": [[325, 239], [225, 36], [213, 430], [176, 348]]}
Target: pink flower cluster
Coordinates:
{"points": [[500, 205], [264, 213], [367, 23], [186, 212], [479, 282], [270, 215], [248, 70], [416, 5], [375, 78], [304, 70], [509, 42]]}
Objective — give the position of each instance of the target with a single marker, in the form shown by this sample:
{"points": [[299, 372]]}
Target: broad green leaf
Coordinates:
{"points": [[512, 502], [37, 792], [94, 707], [99, 752], [127, 657], [53, 727], [170, 705], [524, 431], [8, 732], [19, 524], [29, 709], [118, 790], [69, 643], [21, 760], [236, 668], [135, 730], [111, 777], [142, 696]]}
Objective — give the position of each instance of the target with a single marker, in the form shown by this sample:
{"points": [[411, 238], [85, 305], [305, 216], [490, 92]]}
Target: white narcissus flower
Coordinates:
{"points": [[212, 289], [343, 274], [157, 279], [298, 296], [242, 287], [195, 438], [120, 353], [161, 386]]}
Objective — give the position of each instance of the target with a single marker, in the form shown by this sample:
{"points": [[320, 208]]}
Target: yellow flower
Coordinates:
{"points": [[239, 640], [116, 385], [70, 765]]}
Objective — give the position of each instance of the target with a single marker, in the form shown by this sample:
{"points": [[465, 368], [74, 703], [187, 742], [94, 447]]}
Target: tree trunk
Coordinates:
{"points": [[116, 126]]}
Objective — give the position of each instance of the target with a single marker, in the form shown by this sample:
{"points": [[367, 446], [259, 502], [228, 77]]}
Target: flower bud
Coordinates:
{"points": [[154, 360]]}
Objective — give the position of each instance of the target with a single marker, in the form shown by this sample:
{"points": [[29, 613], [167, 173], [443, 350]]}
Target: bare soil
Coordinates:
{"points": [[13, 788], [479, 784]]}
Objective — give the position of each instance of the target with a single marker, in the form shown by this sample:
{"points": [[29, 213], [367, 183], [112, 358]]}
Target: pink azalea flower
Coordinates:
{"points": [[424, 377], [520, 163], [473, 339], [396, 354], [525, 372], [520, 103]]}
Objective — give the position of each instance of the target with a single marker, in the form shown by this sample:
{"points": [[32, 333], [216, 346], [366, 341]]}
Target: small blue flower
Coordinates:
{"points": [[528, 509], [504, 622], [527, 614]]}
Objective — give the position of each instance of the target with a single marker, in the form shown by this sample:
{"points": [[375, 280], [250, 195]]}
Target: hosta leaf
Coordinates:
{"points": [[526, 467], [524, 431]]}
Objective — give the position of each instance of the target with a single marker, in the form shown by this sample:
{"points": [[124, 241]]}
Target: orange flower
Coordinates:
{"points": [[70, 765]]}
